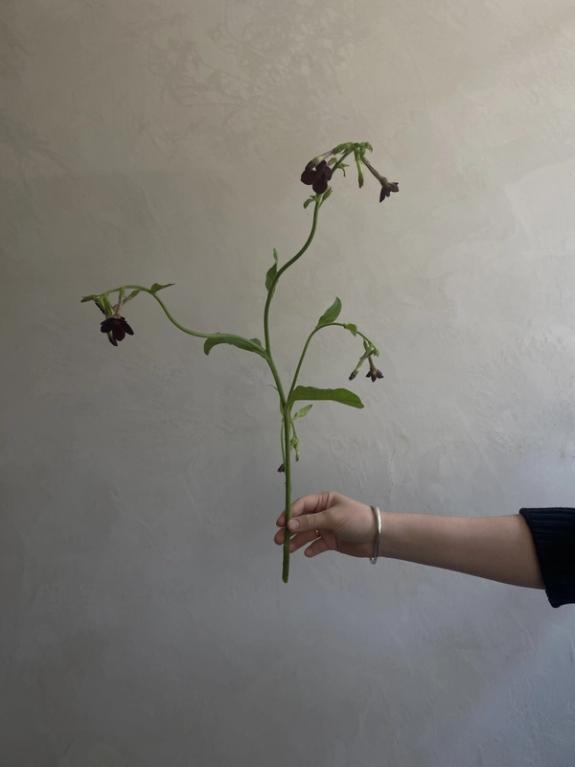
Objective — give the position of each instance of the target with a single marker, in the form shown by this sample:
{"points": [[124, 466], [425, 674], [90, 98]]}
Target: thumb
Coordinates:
{"points": [[311, 512], [318, 521], [306, 507]]}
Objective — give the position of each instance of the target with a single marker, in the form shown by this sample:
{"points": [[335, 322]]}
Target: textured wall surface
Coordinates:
{"points": [[144, 620]]}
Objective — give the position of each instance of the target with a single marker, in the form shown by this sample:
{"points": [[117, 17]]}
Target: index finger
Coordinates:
{"points": [[307, 504]]}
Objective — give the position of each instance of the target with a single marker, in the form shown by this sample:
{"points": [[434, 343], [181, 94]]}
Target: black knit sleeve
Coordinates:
{"points": [[553, 533]]}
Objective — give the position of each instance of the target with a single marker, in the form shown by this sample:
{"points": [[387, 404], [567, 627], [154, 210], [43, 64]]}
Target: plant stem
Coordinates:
{"points": [[165, 308], [285, 406], [271, 291], [287, 469]]}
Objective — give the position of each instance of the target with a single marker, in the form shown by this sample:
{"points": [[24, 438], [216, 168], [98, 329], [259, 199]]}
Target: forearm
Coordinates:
{"points": [[497, 548]]}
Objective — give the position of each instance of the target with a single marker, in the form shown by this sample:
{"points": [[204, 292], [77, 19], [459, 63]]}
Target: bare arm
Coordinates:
{"points": [[498, 548]]}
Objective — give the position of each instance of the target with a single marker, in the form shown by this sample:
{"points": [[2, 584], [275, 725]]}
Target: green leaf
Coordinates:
{"points": [[107, 306], [331, 314], [249, 345], [344, 396], [156, 286], [270, 276], [302, 411], [97, 300], [308, 201], [351, 327], [272, 271], [133, 294]]}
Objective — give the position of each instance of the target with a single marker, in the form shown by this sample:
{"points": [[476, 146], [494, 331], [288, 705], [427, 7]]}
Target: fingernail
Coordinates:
{"points": [[293, 524]]}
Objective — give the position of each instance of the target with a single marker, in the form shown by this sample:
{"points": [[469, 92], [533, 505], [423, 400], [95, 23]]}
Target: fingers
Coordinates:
{"points": [[296, 541], [300, 540], [318, 546], [307, 504]]}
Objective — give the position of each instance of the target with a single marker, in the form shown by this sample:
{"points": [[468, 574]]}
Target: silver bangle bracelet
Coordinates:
{"points": [[377, 512]]}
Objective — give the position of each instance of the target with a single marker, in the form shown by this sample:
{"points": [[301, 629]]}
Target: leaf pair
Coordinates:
{"points": [[343, 396]]}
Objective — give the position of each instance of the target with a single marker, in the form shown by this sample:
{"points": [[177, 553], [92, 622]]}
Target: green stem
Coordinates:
{"points": [[284, 404], [287, 469], [311, 335], [181, 327], [165, 308], [271, 291]]}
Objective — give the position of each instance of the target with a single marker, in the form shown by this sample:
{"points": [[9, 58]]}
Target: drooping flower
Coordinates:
{"points": [[317, 175], [373, 372], [387, 187], [116, 327]]}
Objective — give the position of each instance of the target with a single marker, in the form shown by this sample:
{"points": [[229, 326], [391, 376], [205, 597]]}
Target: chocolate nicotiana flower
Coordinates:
{"points": [[373, 372], [387, 187], [116, 327], [318, 173]]}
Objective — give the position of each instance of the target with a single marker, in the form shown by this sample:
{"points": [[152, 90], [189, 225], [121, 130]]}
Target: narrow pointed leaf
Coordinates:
{"points": [[246, 344], [343, 396], [272, 271], [331, 314], [156, 286], [271, 275], [107, 305], [302, 411], [351, 327], [133, 294]]}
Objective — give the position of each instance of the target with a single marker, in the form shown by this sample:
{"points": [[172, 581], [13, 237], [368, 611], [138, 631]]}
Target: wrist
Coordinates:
{"points": [[390, 525]]}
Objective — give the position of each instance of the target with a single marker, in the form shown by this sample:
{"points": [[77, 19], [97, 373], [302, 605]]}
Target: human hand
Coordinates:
{"points": [[333, 522]]}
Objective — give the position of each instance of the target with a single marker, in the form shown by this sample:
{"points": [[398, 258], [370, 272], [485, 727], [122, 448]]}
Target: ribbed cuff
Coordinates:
{"points": [[553, 533]]}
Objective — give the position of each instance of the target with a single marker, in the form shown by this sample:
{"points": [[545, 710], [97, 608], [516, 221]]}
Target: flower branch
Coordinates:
{"points": [[318, 173]]}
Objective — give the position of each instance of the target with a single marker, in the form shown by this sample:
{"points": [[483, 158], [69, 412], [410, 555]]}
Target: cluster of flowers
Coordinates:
{"points": [[317, 174]]}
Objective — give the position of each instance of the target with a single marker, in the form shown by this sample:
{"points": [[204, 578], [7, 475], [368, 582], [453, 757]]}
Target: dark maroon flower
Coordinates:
{"points": [[116, 328], [317, 175], [373, 372], [387, 187]]}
